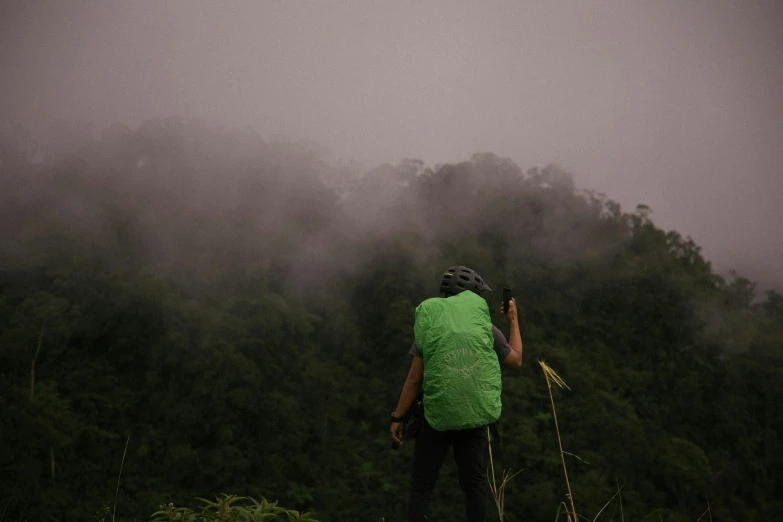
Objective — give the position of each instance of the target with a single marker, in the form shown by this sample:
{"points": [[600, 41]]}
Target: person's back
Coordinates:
{"points": [[456, 354], [461, 371]]}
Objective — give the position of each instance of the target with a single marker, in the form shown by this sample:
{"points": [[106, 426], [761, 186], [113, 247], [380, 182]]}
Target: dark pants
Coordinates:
{"points": [[470, 448]]}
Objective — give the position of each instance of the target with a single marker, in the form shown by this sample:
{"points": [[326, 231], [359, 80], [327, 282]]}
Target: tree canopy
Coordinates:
{"points": [[239, 311]]}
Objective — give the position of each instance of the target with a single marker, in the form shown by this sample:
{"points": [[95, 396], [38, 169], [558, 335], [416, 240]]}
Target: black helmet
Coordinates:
{"points": [[459, 278]]}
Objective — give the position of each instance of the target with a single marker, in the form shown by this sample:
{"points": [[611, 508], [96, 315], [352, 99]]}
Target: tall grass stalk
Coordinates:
{"points": [[707, 515], [607, 503], [620, 496], [116, 493], [6, 505], [551, 376], [498, 492]]}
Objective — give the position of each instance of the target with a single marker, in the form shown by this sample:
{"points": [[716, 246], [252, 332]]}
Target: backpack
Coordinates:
{"points": [[461, 371]]}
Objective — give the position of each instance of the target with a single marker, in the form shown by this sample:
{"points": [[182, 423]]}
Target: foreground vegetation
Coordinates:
{"points": [[230, 508], [239, 312]]}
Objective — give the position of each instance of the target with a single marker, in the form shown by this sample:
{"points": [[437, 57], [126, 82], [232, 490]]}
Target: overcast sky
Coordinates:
{"points": [[674, 104]]}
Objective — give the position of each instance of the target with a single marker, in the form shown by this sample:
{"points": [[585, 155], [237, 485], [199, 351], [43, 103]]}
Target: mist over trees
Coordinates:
{"points": [[242, 310]]}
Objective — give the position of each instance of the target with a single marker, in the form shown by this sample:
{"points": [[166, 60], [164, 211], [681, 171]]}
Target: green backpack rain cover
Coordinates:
{"points": [[461, 370]]}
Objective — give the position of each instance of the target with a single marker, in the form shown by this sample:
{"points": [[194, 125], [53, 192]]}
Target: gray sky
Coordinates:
{"points": [[674, 104]]}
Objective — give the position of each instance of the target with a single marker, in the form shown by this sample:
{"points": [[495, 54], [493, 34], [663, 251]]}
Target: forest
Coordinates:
{"points": [[214, 313]]}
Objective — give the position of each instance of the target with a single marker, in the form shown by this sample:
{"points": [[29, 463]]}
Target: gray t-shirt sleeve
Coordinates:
{"points": [[501, 346]]}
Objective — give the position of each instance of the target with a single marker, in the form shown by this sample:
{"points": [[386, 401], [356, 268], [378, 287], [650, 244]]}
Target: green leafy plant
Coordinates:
{"points": [[231, 508]]}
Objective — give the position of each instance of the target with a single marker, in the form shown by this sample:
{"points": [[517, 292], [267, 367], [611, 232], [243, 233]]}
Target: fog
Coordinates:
{"points": [[672, 104]]}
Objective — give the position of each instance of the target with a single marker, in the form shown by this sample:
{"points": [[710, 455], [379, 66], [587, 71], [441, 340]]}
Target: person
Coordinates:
{"points": [[457, 354]]}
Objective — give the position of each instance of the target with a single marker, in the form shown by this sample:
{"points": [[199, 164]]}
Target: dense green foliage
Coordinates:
{"points": [[243, 311]]}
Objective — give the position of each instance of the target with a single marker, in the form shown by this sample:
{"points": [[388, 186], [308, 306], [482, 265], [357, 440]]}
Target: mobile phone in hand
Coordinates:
{"points": [[506, 299]]}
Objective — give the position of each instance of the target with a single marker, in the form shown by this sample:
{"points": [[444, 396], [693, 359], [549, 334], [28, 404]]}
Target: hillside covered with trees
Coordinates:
{"points": [[239, 311]]}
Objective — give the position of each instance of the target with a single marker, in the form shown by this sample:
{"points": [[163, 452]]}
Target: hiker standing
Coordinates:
{"points": [[457, 355]]}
